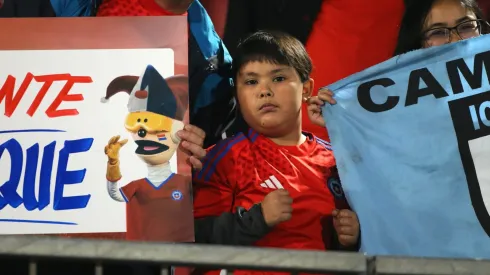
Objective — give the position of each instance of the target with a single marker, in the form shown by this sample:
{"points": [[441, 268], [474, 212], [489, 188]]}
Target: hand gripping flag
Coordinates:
{"points": [[412, 141]]}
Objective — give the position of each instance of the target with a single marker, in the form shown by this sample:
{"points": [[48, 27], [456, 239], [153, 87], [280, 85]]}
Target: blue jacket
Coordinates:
{"points": [[213, 107]]}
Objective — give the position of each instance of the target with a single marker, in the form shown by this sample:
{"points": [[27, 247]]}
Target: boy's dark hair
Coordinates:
{"points": [[274, 47], [410, 36]]}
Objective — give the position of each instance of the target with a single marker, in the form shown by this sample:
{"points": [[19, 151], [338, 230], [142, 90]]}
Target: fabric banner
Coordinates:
{"points": [[88, 129], [412, 141]]}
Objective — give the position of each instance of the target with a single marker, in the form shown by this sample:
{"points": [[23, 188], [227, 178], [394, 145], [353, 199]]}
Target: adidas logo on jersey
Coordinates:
{"points": [[272, 183]]}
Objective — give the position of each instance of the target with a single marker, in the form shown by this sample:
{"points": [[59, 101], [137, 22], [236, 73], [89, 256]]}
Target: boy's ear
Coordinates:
{"points": [[308, 87]]}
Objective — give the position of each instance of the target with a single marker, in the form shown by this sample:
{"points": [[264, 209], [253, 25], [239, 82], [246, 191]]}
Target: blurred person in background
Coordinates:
{"points": [[425, 24], [485, 6], [432, 23]]}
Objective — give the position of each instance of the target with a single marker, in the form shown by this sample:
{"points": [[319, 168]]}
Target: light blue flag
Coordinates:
{"points": [[412, 141]]}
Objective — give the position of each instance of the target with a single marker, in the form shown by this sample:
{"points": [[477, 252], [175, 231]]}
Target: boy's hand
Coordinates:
{"points": [[347, 226], [277, 207], [315, 105], [193, 140]]}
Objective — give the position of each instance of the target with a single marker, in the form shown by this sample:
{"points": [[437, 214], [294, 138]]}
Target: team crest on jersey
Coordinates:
{"points": [[335, 187], [177, 195], [472, 128]]}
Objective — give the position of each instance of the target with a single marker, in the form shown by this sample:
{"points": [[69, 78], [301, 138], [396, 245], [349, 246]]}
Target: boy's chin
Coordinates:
{"points": [[271, 128], [269, 121], [269, 124]]}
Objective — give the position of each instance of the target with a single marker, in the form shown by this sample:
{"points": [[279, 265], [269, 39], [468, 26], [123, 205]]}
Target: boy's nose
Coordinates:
{"points": [[265, 93]]}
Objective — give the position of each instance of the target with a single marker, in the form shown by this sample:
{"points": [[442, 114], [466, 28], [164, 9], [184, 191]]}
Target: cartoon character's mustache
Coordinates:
{"points": [[149, 147]]}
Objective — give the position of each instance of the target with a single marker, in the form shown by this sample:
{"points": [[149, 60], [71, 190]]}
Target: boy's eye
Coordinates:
{"points": [[251, 82], [279, 79]]}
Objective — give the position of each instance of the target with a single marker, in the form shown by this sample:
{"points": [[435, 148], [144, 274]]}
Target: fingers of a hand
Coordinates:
{"points": [[288, 209], [327, 98], [196, 163], [314, 109], [344, 213], [191, 137], [279, 193], [325, 91], [285, 200], [283, 194], [346, 230], [326, 95], [346, 221], [315, 101], [347, 239], [194, 149], [123, 142], [196, 130], [286, 216], [111, 141]]}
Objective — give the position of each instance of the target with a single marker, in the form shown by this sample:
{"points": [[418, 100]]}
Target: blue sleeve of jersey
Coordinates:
{"points": [[215, 156], [324, 143], [72, 8]]}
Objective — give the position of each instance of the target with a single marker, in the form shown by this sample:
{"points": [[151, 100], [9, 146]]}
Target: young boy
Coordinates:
{"points": [[273, 185]]}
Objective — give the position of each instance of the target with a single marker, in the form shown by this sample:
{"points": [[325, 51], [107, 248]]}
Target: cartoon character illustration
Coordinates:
{"points": [[159, 206]]}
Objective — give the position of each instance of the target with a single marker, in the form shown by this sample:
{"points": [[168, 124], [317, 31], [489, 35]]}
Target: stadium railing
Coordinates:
{"points": [[101, 252]]}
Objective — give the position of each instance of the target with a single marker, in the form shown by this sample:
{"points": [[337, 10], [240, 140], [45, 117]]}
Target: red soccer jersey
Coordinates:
{"points": [[159, 213], [242, 170]]}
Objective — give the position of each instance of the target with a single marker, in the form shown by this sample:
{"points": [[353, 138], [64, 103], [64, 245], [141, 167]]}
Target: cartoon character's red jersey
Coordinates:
{"points": [[131, 8], [241, 171], [159, 213]]}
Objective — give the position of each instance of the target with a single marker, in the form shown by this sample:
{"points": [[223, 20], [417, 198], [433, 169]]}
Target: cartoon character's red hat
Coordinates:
{"points": [[153, 93]]}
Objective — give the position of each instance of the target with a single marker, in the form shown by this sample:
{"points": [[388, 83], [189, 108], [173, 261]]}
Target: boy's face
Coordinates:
{"points": [[270, 97]]}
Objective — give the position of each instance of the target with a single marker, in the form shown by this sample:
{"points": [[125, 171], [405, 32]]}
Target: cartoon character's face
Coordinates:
{"points": [[155, 136]]}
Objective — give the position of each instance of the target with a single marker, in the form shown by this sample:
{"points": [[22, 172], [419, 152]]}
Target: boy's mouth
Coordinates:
{"points": [[267, 107], [149, 147]]}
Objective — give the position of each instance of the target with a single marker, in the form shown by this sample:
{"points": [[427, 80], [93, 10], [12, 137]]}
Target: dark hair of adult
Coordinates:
{"points": [[410, 36], [274, 47]]}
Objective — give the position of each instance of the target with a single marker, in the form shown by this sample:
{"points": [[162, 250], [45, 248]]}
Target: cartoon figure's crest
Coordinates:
{"points": [[177, 195], [335, 187]]}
